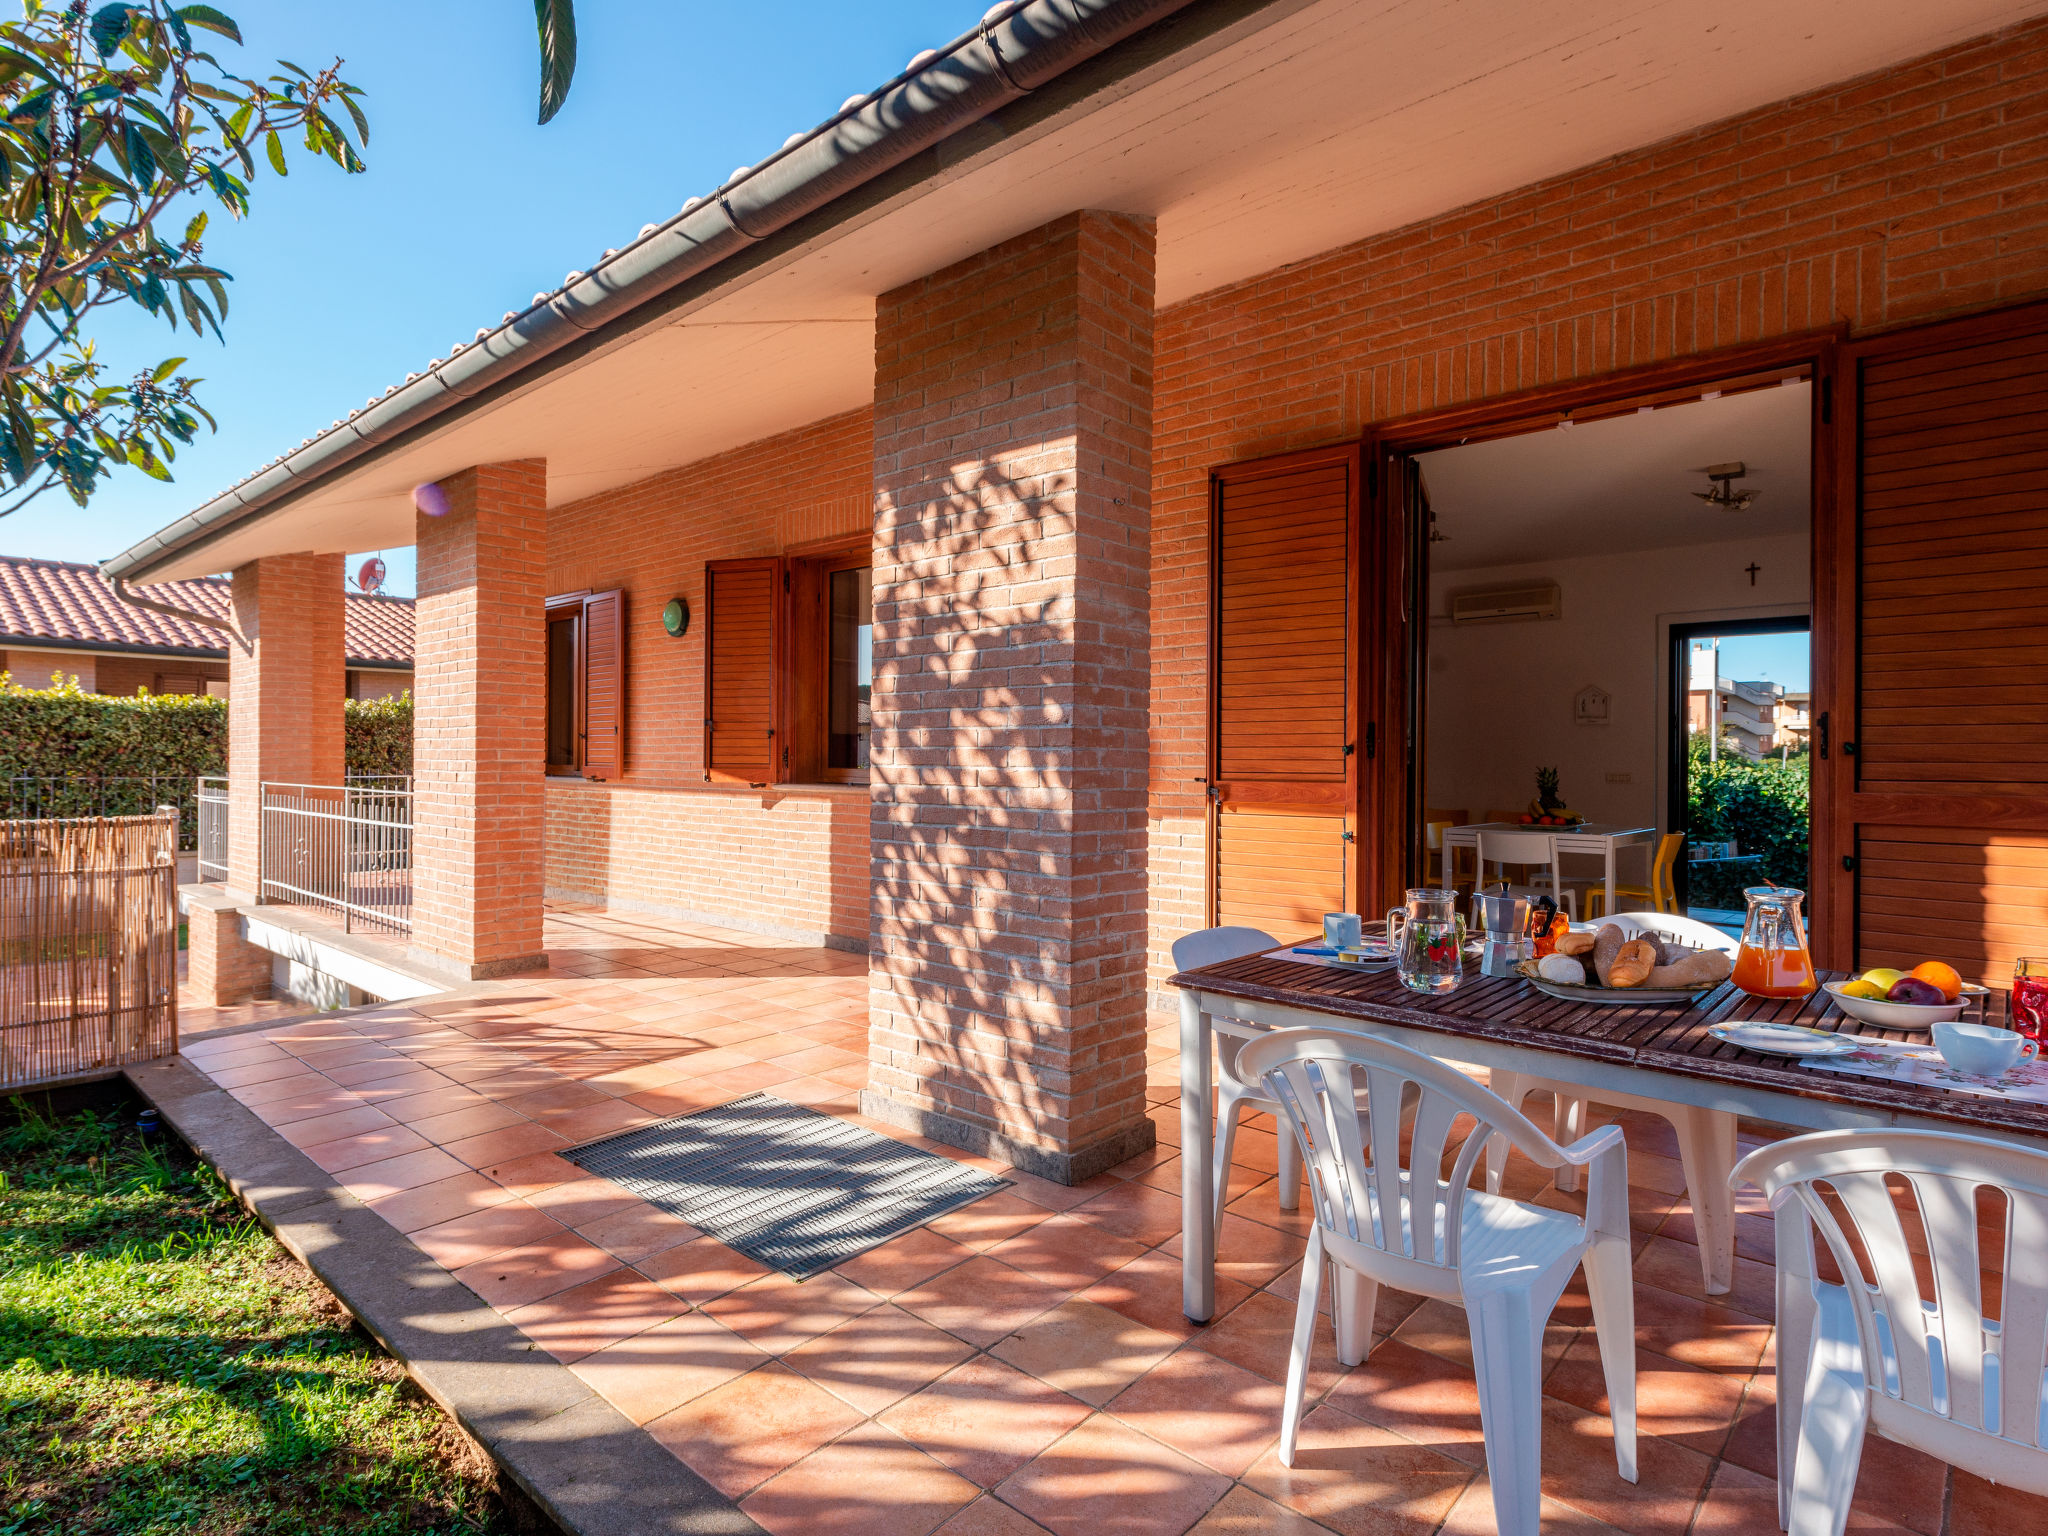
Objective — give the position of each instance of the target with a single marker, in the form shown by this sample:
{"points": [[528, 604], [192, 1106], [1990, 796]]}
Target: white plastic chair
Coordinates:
{"points": [[1706, 1137], [1504, 1262], [1528, 849], [1877, 1351], [1234, 1093]]}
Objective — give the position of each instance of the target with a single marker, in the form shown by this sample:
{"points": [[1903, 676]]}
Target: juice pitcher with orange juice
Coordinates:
{"points": [[1773, 960]]}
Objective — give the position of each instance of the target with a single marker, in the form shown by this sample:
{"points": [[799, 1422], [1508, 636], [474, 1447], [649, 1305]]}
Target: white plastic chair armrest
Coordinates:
{"points": [[1605, 1155], [1586, 1148]]}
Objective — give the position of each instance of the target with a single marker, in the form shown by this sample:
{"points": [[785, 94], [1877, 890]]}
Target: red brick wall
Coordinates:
{"points": [[1012, 471], [782, 861], [478, 835], [1901, 196]]}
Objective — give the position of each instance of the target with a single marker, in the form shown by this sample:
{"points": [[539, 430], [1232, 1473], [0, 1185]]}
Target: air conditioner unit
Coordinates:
{"points": [[1501, 604]]}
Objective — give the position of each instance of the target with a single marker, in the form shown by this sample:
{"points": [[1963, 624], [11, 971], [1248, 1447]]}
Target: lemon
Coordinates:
{"points": [[1864, 987], [1884, 980]]}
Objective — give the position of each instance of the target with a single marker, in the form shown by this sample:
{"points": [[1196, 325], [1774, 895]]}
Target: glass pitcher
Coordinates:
{"points": [[1773, 960], [1427, 937]]}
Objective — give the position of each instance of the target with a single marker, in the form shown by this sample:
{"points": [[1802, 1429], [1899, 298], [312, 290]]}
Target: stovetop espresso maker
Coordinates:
{"points": [[1503, 924]]}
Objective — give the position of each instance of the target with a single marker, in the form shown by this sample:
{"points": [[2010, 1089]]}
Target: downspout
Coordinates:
{"points": [[189, 615]]}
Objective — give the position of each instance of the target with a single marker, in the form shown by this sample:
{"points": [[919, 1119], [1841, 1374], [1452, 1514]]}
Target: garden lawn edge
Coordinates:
{"points": [[586, 1464]]}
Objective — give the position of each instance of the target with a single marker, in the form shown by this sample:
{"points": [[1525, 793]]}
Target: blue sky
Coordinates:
{"points": [[1782, 659], [344, 284]]}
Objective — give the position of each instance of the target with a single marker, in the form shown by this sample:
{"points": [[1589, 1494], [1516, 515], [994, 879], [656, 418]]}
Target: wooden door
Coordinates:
{"points": [[1284, 638], [1935, 761], [743, 665]]}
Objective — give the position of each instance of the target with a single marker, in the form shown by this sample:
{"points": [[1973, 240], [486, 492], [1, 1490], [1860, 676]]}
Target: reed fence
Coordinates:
{"points": [[88, 945]]}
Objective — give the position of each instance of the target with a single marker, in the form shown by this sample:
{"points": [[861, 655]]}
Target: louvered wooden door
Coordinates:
{"points": [[1937, 762], [604, 685], [1284, 637], [742, 669]]}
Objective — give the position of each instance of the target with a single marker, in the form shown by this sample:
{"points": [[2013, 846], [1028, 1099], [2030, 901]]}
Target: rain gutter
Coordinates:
{"points": [[1018, 48]]}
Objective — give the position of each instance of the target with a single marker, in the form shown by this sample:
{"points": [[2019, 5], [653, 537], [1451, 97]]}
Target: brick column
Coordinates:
{"points": [[479, 721], [1013, 465], [286, 682]]}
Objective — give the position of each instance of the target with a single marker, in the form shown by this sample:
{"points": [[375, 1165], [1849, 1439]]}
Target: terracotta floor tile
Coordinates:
{"points": [[286, 1090], [779, 1313], [472, 1238], [369, 1147], [638, 1232], [1697, 1332], [753, 1077], [989, 1220], [1676, 1267], [1148, 1290], [443, 1200], [682, 1097], [990, 1516], [1473, 1515], [700, 1269], [878, 1357], [1361, 1480], [597, 1121], [1439, 1327], [260, 1069], [1134, 1211], [985, 1419], [508, 1145], [982, 1300], [585, 1318], [553, 1102], [533, 1172], [1105, 1479], [474, 1119], [1420, 1396], [868, 1483], [904, 1261], [1205, 1407], [424, 1106], [1579, 1470], [395, 1175], [332, 1124], [1250, 1251], [1244, 1513], [532, 1270], [1680, 1402], [738, 1435], [655, 1372], [1067, 1251], [1257, 1336], [1744, 1503], [585, 1199], [1085, 1350]]}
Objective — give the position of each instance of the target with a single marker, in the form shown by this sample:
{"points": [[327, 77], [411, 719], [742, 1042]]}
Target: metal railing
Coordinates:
{"points": [[340, 848], [28, 797], [210, 802]]}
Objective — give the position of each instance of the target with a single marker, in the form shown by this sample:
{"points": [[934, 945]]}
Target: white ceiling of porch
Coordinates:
{"points": [[1307, 127]]}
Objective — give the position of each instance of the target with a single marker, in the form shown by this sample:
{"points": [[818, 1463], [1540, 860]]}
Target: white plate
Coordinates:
{"points": [[1782, 1039], [1910, 1017], [1613, 996]]}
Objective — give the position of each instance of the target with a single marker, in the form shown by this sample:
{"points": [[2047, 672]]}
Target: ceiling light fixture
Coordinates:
{"points": [[1723, 494]]}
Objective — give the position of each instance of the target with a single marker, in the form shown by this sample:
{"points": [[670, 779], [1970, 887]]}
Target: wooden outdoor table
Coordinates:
{"points": [[1659, 1052]]}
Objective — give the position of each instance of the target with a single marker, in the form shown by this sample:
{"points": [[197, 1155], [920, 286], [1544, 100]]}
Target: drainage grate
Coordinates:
{"points": [[787, 1186]]}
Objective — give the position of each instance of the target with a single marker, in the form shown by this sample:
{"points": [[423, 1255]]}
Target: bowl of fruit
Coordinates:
{"points": [[1918, 999]]}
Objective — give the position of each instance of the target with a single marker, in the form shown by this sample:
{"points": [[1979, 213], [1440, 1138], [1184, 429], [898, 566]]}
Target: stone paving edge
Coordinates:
{"points": [[582, 1461]]}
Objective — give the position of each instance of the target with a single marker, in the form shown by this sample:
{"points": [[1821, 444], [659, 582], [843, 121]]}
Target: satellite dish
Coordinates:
{"points": [[370, 575]]}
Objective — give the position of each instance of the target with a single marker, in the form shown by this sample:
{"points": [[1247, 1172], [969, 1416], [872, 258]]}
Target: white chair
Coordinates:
{"points": [[1706, 1137], [1234, 1093], [1504, 1262], [1877, 1351], [1536, 851]]}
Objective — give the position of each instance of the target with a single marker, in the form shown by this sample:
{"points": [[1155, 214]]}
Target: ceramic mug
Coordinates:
{"points": [[1982, 1050], [1342, 928]]}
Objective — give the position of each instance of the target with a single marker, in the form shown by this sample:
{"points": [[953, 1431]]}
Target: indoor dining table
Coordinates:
{"points": [[1601, 839], [1661, 1052]]}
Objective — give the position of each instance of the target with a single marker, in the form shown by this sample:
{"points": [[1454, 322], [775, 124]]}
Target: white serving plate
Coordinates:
{"points": [[1918, 1017], [1782, 1039], [1616, 996]]}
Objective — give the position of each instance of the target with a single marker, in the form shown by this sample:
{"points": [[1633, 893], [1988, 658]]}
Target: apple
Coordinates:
{"points": [[1883, 977], [1911, 989]]}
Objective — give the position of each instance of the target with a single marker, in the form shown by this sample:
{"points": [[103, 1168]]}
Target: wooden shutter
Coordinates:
{"points": [[604, 685], [1937, 762], [1283, 643], [742, 667]]}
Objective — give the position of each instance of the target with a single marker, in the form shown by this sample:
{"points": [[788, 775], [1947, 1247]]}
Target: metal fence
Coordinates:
{"points": [[210, 802], [345, 849], [88, 945], [31, 798]]}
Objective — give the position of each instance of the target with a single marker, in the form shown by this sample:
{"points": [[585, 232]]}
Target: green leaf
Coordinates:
{"points": [[348, 100], [165, 369], [556, 21], [141, 162], [275, 146], [213, 21], [110, 27], [196, 229]]}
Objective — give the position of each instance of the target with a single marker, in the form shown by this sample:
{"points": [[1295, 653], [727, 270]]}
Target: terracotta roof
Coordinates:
{"points": [[56, 602]]}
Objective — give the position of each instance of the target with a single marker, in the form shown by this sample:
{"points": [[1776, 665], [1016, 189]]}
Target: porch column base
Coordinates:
{"points": [[1075, 1166], [474, 970], [223, 969]]}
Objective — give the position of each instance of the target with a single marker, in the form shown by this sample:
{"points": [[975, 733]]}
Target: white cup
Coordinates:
{"points": [[1341, 929], [1982, 1050]]}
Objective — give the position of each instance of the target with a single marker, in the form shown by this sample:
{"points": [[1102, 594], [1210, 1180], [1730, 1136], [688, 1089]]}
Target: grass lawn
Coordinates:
{"points": [[165, 1366]]}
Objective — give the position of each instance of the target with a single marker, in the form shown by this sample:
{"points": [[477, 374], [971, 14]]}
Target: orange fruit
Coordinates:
{"points": [[1935, 974]]}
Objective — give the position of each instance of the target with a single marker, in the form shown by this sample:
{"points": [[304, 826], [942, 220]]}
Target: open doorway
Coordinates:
{"points": [[1561, 567]]}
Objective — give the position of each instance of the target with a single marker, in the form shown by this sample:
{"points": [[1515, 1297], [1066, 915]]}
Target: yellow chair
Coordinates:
{"points": [[1662, 896], [1434, 822]]}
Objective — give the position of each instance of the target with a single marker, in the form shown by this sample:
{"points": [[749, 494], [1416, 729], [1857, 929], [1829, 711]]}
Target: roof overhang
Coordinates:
{"points": [[1256, 132]]}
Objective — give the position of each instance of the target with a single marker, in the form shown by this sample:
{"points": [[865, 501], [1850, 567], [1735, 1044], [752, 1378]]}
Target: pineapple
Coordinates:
{"points": [[1547, 802]]}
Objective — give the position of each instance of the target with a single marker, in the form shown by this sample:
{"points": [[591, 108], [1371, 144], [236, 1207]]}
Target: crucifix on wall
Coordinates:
{"points": [[1752, 568]]}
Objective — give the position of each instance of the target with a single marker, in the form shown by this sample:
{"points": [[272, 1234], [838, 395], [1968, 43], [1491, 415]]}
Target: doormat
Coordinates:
{"points": [[787, 1186]]}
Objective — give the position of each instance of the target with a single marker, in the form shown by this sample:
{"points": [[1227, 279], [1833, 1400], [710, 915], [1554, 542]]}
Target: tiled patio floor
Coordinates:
{"points": [[1020, 1365]]}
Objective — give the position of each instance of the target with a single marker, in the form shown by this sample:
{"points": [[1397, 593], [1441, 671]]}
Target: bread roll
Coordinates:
{"points": [[1561, 968], [1606, 945], [1575, 944], [1701, 967], [1635, 960]]}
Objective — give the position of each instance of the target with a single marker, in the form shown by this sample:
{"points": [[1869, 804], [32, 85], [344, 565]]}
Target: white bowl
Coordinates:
{"points": [[1872, 1010]]}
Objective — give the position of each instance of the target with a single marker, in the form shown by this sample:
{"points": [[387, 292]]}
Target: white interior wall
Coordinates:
{"points": [[1500, 699]]}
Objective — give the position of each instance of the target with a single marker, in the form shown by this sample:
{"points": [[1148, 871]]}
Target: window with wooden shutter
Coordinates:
{"points": [[1936, 746], [1283, 645], [743, 624], [604, 685]]}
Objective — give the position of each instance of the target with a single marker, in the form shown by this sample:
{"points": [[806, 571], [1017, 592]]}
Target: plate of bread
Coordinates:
{"points": [[1609, 965]]}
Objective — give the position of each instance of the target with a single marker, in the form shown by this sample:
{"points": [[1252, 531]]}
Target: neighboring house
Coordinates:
{"points": [[1748, 713], [60, 620], [1795, 720], [1068, 392]]}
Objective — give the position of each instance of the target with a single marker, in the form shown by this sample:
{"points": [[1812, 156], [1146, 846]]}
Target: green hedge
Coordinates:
{"points": [[69, 733], [1762, 807]]}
